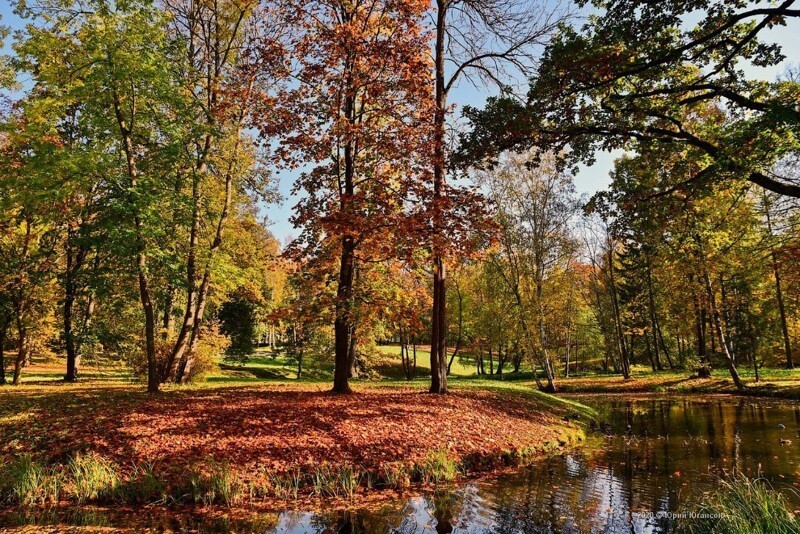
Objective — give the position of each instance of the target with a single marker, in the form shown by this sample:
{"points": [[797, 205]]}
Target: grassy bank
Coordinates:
{"points": [[231, 444], [781, 383]]}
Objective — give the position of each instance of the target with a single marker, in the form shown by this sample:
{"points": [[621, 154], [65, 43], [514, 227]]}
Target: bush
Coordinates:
{"points": [[212, 343], [741, 505]]}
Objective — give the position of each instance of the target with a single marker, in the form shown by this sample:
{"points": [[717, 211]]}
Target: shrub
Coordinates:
{"points": [[211, 344]]}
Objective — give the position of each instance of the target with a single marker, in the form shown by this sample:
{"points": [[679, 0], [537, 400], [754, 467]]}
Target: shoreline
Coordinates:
{"points": [[279, 443], [788, 389]]}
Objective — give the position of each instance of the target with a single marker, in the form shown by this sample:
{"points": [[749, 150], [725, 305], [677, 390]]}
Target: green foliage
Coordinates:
{"points": [[211, 345], [92, 478], [238, 320], [397, 475], [26, 481], [740, 505], [286, 486], [335, 481], [218, 484], [142, 486], [437, 467]]}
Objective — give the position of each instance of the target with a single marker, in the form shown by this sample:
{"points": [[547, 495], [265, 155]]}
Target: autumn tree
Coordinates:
{"points": [[537, 207], [484, 43], [28, 239], [637, 73], [355, 115], [223, 83]]}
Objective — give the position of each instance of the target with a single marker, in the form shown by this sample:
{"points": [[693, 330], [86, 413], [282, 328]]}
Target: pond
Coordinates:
{"points": [[652, 456]]}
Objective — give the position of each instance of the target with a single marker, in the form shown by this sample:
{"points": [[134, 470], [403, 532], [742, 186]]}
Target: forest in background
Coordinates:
{"points": [[141, 140]]}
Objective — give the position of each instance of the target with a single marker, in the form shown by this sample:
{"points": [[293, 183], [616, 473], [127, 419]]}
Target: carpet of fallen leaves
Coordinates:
{"points": [[275, 428]]}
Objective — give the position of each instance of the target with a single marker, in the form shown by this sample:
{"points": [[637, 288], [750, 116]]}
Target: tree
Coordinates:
{"points": [[536, 207], [223, 84], [482, 40], [638, 73], [114, 60], [356, 114]]}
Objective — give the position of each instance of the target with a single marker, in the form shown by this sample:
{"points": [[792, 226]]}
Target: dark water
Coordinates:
{"points": [[659, 454]]}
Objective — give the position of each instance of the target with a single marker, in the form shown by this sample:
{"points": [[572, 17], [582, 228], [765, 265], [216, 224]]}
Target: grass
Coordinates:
{"points": [[740, 505], [141, 450], [219, 485], [391, 367], [27, 481], [438, 466], [784, 383], [94, 478], [143, 486]]}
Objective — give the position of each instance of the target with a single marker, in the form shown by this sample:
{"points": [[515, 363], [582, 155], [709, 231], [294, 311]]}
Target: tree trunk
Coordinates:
{"points": [[501, 359], [649, 352], [700, 323], [176, 357], [726, 320], [22, 345], [438, 319], [405, 357], [717, 320], [74, 262], [414, 366], [341, 325], [167, 321], [300, 364], [352, 356], [185, 367], [141, 258], [460, 328], [787, 343], [623, 351], [653, 318]]}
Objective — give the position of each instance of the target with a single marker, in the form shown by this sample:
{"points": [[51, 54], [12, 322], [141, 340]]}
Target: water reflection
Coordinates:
{"points": [[660, 453]]}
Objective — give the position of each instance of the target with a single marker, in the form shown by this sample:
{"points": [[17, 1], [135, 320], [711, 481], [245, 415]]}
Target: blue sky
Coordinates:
{"points": [[588, 180]]}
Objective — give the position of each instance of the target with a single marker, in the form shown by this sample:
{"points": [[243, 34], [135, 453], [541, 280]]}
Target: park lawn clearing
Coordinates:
{"points": [[285, 429]]}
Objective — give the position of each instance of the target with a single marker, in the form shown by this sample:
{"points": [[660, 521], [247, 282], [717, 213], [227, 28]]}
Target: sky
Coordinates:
{"points": [[588, 180]]}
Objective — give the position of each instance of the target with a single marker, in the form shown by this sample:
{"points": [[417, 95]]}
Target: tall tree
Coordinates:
{"points": [[483, 41], [536, 207], [115, 61], [222, 83], [357, 114]]}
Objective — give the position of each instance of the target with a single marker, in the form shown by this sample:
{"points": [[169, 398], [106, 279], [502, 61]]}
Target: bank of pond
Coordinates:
{"points": [[650, 463]]}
